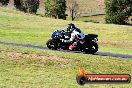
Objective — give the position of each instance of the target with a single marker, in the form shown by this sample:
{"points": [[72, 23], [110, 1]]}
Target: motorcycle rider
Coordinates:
{"points": [[77, 36]]}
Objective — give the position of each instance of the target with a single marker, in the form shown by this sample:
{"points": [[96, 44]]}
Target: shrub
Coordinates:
{"points": [[55, 8], [118, 11]]}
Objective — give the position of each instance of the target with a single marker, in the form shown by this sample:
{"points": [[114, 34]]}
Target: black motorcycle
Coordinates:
{"points": [[90, 45]]}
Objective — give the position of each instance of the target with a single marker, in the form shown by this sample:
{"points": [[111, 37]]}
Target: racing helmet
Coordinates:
{"points": [[70, 27]]}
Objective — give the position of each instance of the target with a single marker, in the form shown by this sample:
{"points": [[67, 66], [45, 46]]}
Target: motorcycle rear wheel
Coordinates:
{"points": [[92, 49]]}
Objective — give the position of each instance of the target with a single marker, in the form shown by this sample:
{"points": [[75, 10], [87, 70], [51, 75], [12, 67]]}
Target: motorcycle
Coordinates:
{"points": [[90, 45]]}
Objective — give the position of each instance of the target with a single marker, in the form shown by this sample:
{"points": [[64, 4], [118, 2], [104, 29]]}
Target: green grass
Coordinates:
{"points": [[22, 67], [94, 19], [55, 68]]}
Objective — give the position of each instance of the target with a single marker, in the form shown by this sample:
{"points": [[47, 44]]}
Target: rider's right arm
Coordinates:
{"points": [[72, 37]]}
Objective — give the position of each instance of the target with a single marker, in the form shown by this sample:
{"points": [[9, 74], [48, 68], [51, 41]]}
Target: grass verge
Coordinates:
{"points": [[27, 67]]}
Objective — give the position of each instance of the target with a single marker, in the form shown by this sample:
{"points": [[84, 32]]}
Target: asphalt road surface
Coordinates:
{"points": [[45, 48]]}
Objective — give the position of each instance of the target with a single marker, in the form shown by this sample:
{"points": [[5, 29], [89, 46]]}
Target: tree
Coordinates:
{"points": [[41, 9], [31, 6], [73, 8], [61, 9], [118, 11], [4, 2], [18, 4], [11, 4], [55, 8]]}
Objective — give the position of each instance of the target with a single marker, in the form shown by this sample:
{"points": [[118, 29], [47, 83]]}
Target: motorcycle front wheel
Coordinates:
{"points": [[51, 44]]}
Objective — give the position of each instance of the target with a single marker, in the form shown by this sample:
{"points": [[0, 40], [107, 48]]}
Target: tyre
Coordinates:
{"points": [[81, 80], [51, 44], [93, 48]]}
